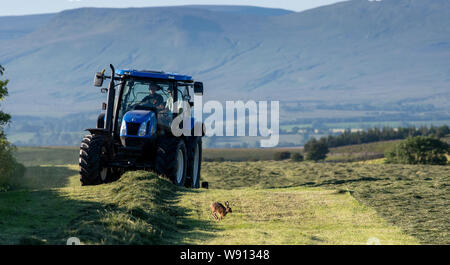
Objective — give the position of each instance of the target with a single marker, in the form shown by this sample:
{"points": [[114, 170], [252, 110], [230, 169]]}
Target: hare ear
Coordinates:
{"points": [[227, 204]]}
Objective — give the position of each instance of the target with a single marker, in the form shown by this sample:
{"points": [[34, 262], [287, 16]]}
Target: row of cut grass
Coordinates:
{"points": [[414, 197]]}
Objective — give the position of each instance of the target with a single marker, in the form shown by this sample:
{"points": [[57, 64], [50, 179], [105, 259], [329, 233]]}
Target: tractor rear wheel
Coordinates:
{"points": [[94, 155], [171, 159], [195, 162]]}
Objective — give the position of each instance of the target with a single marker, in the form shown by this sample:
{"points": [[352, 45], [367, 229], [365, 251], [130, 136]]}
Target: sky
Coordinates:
{"points": [[26, 7]]}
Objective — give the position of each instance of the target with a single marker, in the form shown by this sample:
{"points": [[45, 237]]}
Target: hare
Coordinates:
{"points": [[218, 208]]}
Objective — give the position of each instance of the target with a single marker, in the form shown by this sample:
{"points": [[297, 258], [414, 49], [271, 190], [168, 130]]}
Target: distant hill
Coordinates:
{"points": [[365, 52], [13, 27], [244, 10]]}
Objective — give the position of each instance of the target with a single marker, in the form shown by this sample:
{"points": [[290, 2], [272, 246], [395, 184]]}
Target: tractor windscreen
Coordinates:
{"points": [[146, 95]]}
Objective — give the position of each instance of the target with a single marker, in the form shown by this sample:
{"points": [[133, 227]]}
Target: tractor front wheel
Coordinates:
{"points": [[94, 156], [171, 159], [195, 162]]}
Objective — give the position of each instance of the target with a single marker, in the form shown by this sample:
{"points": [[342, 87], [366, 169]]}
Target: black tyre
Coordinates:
{"points": [[94, 155], [195, 162], [171, 159]]}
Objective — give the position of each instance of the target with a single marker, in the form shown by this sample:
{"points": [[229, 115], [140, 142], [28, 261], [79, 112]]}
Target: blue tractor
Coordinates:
{"points": [[134, 131]]}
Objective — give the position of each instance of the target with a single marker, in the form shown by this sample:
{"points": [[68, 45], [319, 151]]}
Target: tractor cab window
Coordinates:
{"points": [[182, 98], [147, 95]]}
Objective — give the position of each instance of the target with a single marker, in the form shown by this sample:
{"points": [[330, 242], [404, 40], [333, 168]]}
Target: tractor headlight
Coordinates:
{"points": [[123, 128], [143, 129]]}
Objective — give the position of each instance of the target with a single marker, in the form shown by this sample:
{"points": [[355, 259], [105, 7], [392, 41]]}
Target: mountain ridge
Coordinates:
{"points": [[353, 51]]}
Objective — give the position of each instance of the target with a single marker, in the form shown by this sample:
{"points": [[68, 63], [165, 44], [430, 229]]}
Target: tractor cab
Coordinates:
{"points": [[146, 104]]}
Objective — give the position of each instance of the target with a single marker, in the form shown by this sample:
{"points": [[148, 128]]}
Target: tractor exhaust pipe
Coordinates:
{"points": [[110, 101]]}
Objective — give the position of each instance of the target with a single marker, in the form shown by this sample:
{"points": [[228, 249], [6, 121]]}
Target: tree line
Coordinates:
{"points": [[9, 168], [383, 134], [422, 145]]}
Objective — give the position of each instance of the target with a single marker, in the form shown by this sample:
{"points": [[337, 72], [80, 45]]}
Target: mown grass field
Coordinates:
{"points": [[142, 208], [35, 156], [412, 197], [296, 215], [357, 152], [342, 153], [273, 203]]}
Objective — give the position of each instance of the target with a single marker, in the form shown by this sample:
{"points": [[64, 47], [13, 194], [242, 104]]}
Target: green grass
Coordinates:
{"points": [[413, 197], [359, 151], [290, 216], [57, 155], [247, 154], [376, 147], [273, 203], [142, 208], [48, 176], [342, 153], [35, 156]]}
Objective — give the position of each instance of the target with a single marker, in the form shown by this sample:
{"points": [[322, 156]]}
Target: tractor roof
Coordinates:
{"points": [[154, 74]]}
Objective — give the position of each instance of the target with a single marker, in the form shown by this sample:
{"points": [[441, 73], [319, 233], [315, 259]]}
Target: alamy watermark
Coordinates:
{"points": [[235, 124], [73, 241]]}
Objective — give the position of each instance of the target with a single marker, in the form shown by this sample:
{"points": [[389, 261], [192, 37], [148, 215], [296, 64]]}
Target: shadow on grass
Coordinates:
{"points": [[134, 218], [37, 217], [140, 209]]}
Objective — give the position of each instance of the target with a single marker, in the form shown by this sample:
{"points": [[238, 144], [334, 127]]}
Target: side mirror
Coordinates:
{"points": [[198, 88], [98, 78]]}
